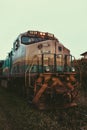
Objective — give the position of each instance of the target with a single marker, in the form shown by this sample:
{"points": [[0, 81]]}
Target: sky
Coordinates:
{"points": [[66, 19]]}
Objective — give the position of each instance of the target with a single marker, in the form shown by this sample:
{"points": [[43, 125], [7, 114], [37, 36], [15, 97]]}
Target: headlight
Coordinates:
{"points": [[73, 69]]}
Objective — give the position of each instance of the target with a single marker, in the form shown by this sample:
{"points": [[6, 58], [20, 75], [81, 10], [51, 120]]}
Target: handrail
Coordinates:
{"points": [[29, 68]]}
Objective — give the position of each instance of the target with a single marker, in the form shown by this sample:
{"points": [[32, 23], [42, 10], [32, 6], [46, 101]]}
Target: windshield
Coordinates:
{"points": [[28, 40]]}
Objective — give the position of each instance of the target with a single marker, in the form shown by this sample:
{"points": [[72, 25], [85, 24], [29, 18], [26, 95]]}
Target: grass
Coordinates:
{"points": [[17, 114]]}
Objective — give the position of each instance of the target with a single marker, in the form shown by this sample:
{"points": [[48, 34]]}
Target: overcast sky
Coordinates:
{"points": [[66, 19]]}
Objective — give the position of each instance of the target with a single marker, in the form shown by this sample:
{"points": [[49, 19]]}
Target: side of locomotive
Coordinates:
{"points": [[43, 68]]}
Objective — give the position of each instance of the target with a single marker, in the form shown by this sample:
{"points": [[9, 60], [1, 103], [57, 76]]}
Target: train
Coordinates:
{"points": [[42, 68]]}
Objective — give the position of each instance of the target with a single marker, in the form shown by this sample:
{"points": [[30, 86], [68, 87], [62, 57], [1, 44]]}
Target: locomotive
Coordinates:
{"points": [[42, 69]]}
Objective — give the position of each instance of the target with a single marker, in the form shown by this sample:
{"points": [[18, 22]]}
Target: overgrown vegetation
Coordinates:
{"points": [[17, 114], [81, 68]]}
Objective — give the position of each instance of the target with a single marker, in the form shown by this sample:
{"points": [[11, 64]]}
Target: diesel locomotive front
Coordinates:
{"points": [[43, 69]]}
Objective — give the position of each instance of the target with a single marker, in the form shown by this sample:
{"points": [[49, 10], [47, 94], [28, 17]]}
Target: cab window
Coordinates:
{"points": [[16, 45]]}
